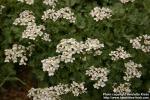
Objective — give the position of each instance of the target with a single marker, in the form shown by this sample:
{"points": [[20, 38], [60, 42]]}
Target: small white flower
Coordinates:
{"points": [[26, 17], [67, 48], [77, 88], [132, 70], [51, 93], [101, 13], [18, 53], [51, 65], [29, 2], [51, 3], [33, 31], [99, 75], [64, 13], [119, 54], [54, 92], [122, 88], [126, 1], [141, 42]]}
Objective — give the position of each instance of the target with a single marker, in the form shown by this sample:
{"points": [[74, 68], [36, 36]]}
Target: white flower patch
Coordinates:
{"points": [[141, 42], [18, 53], [120, 53], [51, 93], [26, 17], [67, 49], [101, 13], [77, 88], [32, 31], [51, 3], [126, 1], [50, 65], [29, 2], [132, 70], [92, 44], [99, 75], [64, 13], [54, 92], [122, 88]]}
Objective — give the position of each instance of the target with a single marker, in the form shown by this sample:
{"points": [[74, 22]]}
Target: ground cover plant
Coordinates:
{"points": [[73, 49]]}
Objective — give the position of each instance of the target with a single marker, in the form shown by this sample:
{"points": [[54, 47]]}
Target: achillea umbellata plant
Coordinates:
{"points": [[76, 49]]}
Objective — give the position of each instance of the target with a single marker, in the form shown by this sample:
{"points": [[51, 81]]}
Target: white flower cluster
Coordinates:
{"points": [[18, 53], [142, 43], [26, 17], [54, 92], [99, 75], [119, 54], [77, 88], [32, 31], [51, 93], [101, 13], [126, 1], [51, 65], [1, 8], [29, 2], [122, 88], [68, 48], [51, 3], [132, 70], [64, 13]]}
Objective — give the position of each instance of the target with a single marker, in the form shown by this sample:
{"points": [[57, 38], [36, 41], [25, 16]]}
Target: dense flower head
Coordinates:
{"points": [[51, 3], [29, 2], [67, 48], [101, 13], [141, 42], [64, 13], [99, 75], [50, 93], [54, 92], [122, 88], [77, 88], [50, 65], [120, 53], [132, 70], [26, 17], [33, 31], [18, 53], [126, 1]]}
